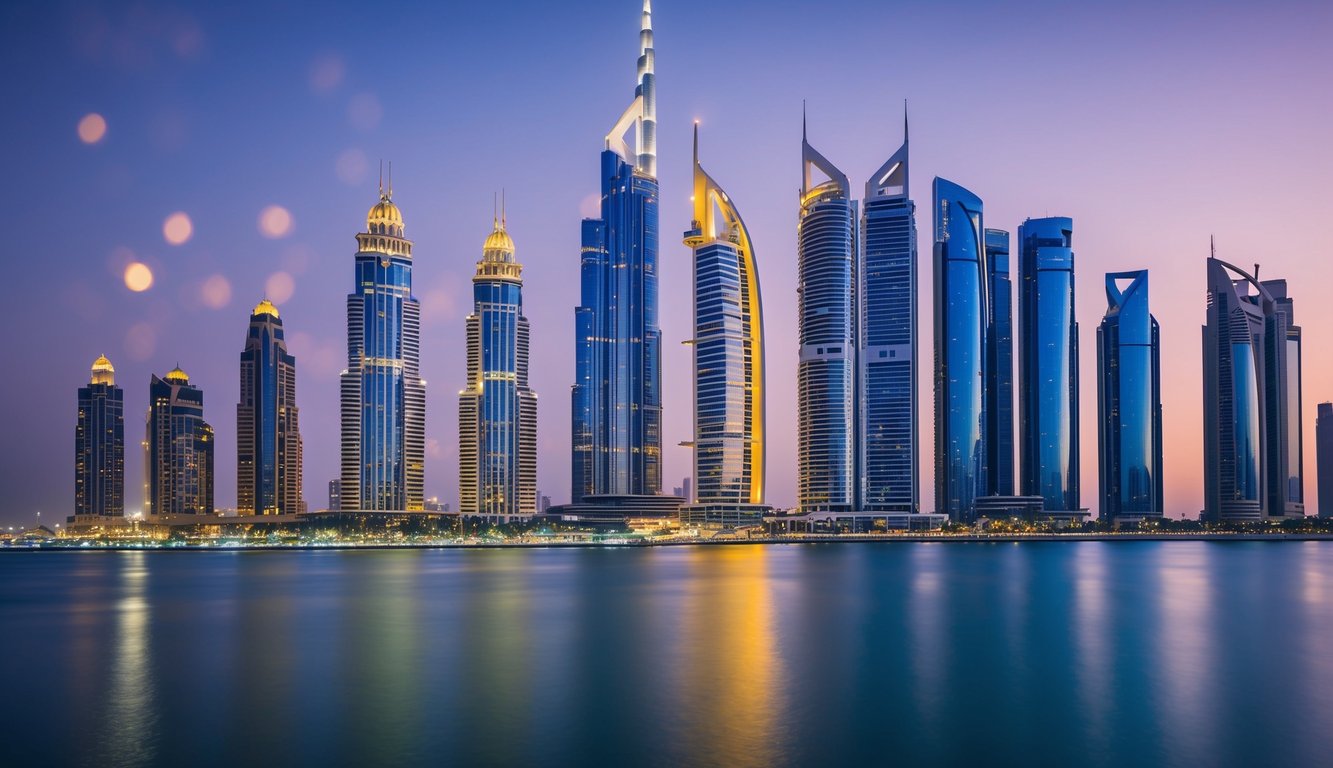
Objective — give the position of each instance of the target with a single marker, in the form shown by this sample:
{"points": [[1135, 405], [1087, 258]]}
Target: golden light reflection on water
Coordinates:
{"points": [[731, 673], [130, 715]]}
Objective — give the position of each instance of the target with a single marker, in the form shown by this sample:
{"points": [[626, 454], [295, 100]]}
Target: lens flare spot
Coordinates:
{"points": [[352, 166], [326, 73], [364, 112], [279, 287], [215, 293], [92, 128], [275, 222], [138, 277], [140, 342], [178, 229]]}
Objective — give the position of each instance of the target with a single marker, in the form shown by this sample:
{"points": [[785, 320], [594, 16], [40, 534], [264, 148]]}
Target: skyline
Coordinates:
{"points": [[122, 180]]}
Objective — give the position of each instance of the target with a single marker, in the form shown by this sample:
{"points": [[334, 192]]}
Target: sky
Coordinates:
{"points": [[1153, 125]]}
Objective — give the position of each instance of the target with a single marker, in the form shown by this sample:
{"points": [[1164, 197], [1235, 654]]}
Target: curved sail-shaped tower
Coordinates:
{"points": [[728, 345], [1129, 401], [826, 372]]}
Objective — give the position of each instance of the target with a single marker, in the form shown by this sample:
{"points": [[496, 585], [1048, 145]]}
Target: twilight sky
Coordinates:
{"points": [[1153, 125]]}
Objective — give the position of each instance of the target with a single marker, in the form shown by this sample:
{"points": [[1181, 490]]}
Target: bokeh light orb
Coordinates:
{"points": [[215, 293], [279, 287], [140, 342], [275, 222], [138, 277], [92, 128], [352, 166], [178, 229]]}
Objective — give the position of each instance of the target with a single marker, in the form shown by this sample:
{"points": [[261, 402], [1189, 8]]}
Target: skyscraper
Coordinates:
{"points": [[1251, 387], [961, 319], [1129, 402], [335, 495], [887, 351], [1324, 457], [268, 435], [728, 345], [497, 411], [826, 291], [383, 395], [616, 422], [999, 365], [178, 448], [99, 445], [1048, 359]]}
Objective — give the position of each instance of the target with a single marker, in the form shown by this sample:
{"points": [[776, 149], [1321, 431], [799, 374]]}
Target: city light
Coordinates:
{"points": [[177, 229], [138, 277], [92, 128]]}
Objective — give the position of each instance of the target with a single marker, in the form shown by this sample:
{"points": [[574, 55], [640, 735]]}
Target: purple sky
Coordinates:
{"points": [[1152, 126]]}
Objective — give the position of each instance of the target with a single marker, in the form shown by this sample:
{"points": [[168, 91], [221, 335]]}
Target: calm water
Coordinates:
{"points": [[1180, 653]]}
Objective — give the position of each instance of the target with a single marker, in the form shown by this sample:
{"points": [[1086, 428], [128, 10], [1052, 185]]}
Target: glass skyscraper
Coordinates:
{"points": [[1129, 401], [497, 411], [178, 448], [728, 345], [1251, 398], [616, 423], [826, 372], [382, 394], [888, 361], [1048, 359], [999, 382], [99, 445], [1323, 429], [268, 435], [962, 311]]}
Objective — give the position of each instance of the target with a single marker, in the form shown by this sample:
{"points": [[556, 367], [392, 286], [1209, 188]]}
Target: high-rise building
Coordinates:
{"points": [[497, 411], [268, 435], [1129, 402], [999, 365], [178, 448], [616, 423], [335, 495], [1251, 398], [961, 328], [1048, 359], [888, 461], [99, 445], [1323, 429], [728, 345], [382, 393], [826, 292]]}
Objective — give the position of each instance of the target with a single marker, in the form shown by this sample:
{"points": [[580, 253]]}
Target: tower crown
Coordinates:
{"points": [[103, 371], [385, 218], [177, 376], [265, 307], [497, 256]]}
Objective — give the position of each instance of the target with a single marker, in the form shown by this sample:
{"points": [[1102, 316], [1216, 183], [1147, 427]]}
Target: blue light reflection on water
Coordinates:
{"points": [[1176, 653]]}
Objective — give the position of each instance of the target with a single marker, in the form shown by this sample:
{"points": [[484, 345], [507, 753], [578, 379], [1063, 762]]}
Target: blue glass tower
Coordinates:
{"points": [[888, 359], [826, 292], [1284, 434], [497, 411], [616, 425], [99, 445], [962, 311], [999, 386], [383, 396], [1048, 355], [268, 436], [178, 448], [1129, 402]]}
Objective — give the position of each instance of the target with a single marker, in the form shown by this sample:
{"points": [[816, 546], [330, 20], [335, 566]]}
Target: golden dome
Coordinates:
{"points": [[103, 371], [498, 244], [265, 307], [385, 218], [177, 376]]}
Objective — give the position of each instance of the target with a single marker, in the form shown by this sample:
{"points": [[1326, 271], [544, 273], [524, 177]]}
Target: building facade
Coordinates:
{"points": [[887, 391], [616, 421], [1048, 359], [178, 448], [728, 346], [382, 394], [1129, 402], [1284, 443], [497, 411], [1324, 457], [826, 292], [961, 312], [268, 434], [335, 495], [99, 445], [999, 365]]}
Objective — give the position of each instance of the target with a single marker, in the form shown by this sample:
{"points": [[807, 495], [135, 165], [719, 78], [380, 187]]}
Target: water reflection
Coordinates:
{"points": [[1185, 645], [129, 713], [1091, 631]]}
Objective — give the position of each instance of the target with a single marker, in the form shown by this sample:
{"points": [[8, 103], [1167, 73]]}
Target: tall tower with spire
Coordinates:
{"points": [[826, 291], [728, 344], [99, 445], [382, 393], [616, 423], [497, 410], [268, 435]]}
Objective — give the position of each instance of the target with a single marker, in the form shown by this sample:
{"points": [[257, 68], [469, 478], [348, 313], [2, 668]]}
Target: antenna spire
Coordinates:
{"points": [[390, 179], [803, 134], [381, 178], [904, 121], [1212, 246], [502, 208]]}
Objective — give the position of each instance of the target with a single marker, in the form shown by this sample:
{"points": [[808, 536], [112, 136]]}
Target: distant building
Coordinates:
{"points": [[99, 445], [687, 489], [268, 435], [999, 364], [497, 410], [178, 448], [1324, 457], [433, 505], [1129, 402], [335, 495], [1048, 359], [543, 504]]}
